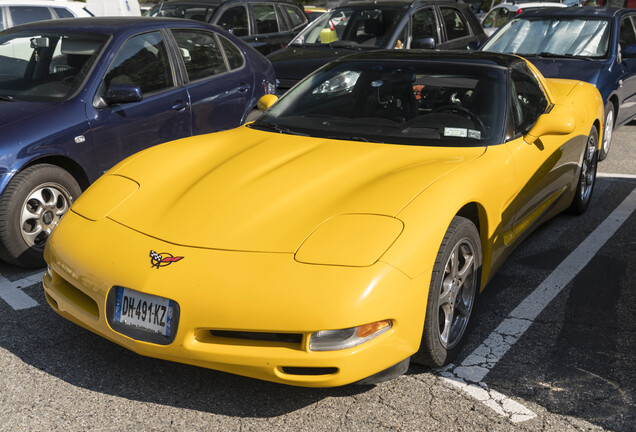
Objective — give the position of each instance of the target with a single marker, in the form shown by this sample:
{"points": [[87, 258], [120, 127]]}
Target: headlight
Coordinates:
{"points": [[330, 340], [356, 240], [105, 195], [341, 83]]}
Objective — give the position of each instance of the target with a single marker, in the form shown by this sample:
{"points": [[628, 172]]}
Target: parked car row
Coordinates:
{"points": [[312, 214]]}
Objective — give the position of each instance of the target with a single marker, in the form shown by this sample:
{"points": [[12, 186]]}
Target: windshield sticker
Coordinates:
{"points": [[455, 132], [475, 134]]}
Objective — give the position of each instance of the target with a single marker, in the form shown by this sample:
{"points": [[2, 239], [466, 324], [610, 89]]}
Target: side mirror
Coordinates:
{"points": [[473, 45], [629, 51], [265, 102], [558, 121], [123, 93], [427, 43]]}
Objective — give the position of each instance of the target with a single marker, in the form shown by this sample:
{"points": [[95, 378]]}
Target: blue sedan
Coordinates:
{"points": [[79, 95], [597, 45]]}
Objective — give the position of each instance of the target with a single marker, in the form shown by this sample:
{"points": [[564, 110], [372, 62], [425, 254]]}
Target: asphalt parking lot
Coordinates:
{"points": [[552, 348]]}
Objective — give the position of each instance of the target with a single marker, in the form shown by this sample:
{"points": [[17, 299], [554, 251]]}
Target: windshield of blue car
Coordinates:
{"points": [[415, 103], [357, 27], [46, 66], [553, 37]]}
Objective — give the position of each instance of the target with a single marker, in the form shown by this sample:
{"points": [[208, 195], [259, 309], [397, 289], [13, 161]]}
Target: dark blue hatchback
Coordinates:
{"points": [[79, 95], [597, 45]]}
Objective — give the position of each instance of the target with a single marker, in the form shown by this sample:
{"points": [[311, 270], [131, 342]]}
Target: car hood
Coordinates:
{"points": [[577, 69], [293, 63], [251, 190], [11, 112]]}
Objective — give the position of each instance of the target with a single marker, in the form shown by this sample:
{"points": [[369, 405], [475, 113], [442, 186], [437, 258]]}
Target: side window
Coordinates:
{"points": [[265, 17], [27, 14], [490, 19], [232, 53], [502, 17], [455, 23], [627, 36], [63, 12], [1, 19], [528, 99], [296, 16], [424, 24], [141, 61], [282, 21], [200, 52], [234, 20]]}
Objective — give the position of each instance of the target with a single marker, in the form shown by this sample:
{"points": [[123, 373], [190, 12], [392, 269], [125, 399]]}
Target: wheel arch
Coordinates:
{"points": [[66, 164], [476, 213]]}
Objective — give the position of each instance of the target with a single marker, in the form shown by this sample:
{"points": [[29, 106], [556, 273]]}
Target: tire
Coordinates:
{"points": [[608, 132], [452, 294], [30, 208], [587, 176]]}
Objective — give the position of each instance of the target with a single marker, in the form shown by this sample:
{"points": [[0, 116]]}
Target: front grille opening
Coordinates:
{"points": [[291, 370], [286, 338], [77, 297]]}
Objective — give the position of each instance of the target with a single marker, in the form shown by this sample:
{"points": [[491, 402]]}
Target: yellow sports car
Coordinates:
{"points": [[340, 235]]}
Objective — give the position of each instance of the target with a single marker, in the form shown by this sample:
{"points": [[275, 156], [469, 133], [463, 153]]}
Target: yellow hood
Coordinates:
{"points": [[251, 190]]}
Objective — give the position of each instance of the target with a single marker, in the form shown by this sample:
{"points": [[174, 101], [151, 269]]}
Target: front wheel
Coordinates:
{"points": [[30, 208], [452, 293], [587, 175]]}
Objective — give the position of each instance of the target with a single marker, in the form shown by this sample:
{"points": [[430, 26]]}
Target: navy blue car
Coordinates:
{"points": [[79, 95], [596, 45]]}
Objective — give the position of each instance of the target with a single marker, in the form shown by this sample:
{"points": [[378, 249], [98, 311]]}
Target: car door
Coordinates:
{"points": [[269, 29], [122, 129], [627, 90], [543, 169], [455, 28], [219, 82]]}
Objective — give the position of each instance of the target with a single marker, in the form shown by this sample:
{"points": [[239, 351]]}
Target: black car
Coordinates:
{"points": [[266, 25], [361, 25]]}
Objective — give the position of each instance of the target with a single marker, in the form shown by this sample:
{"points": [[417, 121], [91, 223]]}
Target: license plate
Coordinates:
{"points": [[145, 311]]}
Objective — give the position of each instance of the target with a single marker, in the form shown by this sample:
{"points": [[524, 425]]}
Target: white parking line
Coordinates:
{"points": [[612, 175], [11, 293], [470, 374]]}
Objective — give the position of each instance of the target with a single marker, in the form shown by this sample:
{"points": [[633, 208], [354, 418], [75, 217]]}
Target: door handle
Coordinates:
{"points": [[179, 106], [243, 88]]}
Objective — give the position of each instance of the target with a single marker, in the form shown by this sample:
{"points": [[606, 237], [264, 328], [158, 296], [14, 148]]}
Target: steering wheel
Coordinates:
{"points": [[461, 110]]}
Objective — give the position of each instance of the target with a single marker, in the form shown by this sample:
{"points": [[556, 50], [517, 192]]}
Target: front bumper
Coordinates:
{"points": [[228, 291]]}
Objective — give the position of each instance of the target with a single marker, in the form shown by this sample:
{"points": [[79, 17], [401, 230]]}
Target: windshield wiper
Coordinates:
{"points": [[7, 98], [276, 128], [353, 138]]}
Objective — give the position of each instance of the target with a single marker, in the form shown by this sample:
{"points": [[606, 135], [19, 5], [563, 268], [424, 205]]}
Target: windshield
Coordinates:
{"points": [[414, 103], [358, 27], [46, 66], [563, 37]]}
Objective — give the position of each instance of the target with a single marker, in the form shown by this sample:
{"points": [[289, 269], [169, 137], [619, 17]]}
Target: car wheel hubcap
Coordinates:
{"points": [[457, 294], [41, 212], [609, 128], [588, 170]]}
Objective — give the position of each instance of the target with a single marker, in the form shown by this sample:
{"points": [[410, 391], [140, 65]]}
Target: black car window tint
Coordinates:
{"points": [[528, 99], [425, 24], [282, 21], [626, 35], [232, 53], [455, 23], [142, 61], [265, 17], [295, 15], [63, 12], [200, 52], [27, 14], [234, 20]]}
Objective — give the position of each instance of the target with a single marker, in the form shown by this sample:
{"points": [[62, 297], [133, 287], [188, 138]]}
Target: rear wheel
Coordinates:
{"points": [[30, 208], [587, 175], [452, 294], [608, 131]]}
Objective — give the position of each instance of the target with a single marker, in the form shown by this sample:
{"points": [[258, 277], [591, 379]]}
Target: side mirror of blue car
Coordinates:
{"points": [[123, 93]]}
